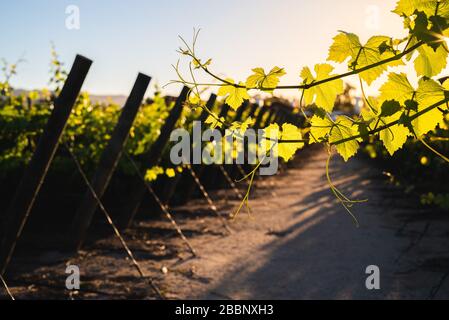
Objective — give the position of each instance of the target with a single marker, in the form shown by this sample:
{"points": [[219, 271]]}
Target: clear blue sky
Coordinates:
{"points": [[124, 37]]}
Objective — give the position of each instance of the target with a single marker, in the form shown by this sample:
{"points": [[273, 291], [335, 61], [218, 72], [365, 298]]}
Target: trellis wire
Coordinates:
{"points": [[209, 200], [6, 288], [231, 183], [115, 229], [162, 206]]}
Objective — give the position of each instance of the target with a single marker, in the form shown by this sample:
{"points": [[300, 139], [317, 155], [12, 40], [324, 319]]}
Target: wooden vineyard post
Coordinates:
{"points": [[282, 117], [199, 169], [258, 123], [232, 170], [240, 111], [171, 188], [271, 118], [209, 105], [108, 162], [213, 174], [153, 157], [271, 115], [37, 169], [210, 173], [253, 109], [279, 116], [238, 117]]}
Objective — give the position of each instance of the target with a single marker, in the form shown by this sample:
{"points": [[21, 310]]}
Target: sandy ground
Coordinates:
{"points": [[299, 243]]}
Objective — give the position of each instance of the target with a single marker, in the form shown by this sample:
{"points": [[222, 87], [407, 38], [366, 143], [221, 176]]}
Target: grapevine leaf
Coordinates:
{"points": [[426, 19], [323, 95], [439, 25], [240, 127], [423, 32], [369, 114], [343, 129], [407, 8], [266, 81], [320, 128], [214, 121], [429, 63], [271, 134], [345, 45], [245, 125], [378, 48], [396, 88], [389, 108], [363, 130], [394, 137], [411, 105], [288, 149], [235, 95], [446, 84], [429, 92], [371, 54]]}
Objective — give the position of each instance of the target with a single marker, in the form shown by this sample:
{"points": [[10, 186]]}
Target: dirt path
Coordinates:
{"points": [[298, 244], [301, 244]]}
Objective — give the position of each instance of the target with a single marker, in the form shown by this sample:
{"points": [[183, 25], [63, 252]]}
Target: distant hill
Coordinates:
{"points": [[116, 98]]}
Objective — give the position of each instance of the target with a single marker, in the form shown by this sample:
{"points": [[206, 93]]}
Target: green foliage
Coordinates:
{"points": [[23, 118], [264, 81], [234, 95], [322, 95], [377, 49], [401, 110], [439, 199], [398, 114], [418, 169]]}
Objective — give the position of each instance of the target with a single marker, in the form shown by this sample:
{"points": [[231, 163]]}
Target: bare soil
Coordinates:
{"points": [[298, 243]]}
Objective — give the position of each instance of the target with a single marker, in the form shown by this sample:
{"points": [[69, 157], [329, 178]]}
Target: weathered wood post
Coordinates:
{"points": [[239, 117], [153, 156], [37, 169], [282, 117], [108, 162], [200, 169], [258, 123], [253, 110], [277, 117], [171, 188], [271, 118], [209, 105], [240, 111], [211, 173], [271, 115]]}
